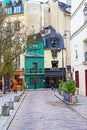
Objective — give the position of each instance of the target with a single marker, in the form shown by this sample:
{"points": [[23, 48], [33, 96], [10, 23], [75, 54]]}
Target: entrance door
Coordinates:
{"points": [[77, 78], [86, 81]]}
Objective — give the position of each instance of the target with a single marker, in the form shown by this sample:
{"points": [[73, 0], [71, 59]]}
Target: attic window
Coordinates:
{"points": [[47, 31], [54, 42], [35, 47]]}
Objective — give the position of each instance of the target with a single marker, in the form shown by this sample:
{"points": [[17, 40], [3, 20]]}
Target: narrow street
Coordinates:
{"points": [[41, 110]]}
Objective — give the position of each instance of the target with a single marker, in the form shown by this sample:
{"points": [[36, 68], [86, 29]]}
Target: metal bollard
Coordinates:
{"points": [[10, 104], [16, 98], [5, 110]]}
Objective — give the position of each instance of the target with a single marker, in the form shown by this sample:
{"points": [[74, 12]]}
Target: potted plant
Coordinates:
{"points": [[68, 88]]}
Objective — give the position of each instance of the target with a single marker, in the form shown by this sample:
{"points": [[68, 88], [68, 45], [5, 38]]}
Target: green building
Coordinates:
{"points": [[34, 66]]}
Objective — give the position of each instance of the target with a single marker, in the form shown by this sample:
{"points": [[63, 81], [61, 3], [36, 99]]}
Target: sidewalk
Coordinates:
{"points": [[4, 98], [80, 107]]}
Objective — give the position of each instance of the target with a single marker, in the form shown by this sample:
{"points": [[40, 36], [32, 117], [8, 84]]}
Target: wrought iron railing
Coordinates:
{"points": [[39, 70]]}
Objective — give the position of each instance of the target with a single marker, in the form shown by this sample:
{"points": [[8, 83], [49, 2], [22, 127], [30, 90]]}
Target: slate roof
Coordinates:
{"points": [[53, 33], [31, 54], [63, 7]]}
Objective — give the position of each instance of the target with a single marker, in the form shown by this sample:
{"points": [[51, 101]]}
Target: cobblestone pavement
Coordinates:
{"points": [[41, 110]]}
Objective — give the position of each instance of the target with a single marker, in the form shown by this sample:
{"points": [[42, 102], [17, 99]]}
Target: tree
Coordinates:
{"points": [[13, 41]]}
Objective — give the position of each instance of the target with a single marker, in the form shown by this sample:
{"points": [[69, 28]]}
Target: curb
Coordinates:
{"points": [[9, 120], [62, 99]]}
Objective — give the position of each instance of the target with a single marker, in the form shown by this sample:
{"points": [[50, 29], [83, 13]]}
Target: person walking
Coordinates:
{"points": [[15, 86], [51, 84], [55, 86]]}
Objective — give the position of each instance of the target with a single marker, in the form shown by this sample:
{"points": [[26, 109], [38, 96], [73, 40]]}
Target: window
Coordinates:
{"points": [[54, 42], [35, 47], [85, 56], [54, 64], [54, 53], [17, 25], [33, 81], [18, 62], [34, 66], [9, 26], [47, 31], [76, 53]]}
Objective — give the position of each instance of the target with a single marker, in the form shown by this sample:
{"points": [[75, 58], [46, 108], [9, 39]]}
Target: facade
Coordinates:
{"points": [[60, 20], [34, 65], [79, 46], [54, 58]]}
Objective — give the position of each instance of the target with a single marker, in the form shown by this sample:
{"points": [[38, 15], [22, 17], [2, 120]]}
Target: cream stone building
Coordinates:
{"points": [[79, 45], [36, 15]]}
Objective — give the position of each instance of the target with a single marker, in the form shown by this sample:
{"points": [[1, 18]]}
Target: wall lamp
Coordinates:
{"points": [[65, 33]]}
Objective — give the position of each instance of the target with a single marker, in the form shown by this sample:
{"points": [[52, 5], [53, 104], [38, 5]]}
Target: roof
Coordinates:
{"points": [[31, 54], [64, 7], [52, 34]]}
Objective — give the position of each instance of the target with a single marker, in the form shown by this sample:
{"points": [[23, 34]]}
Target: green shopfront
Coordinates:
{"points": [[34, 66]]}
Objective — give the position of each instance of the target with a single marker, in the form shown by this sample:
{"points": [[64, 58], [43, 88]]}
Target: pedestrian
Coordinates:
{"points": [[55, 86], [15, 86], [52, 84]]}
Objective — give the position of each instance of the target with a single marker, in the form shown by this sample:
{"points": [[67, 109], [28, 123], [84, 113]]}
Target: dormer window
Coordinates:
{"points": [[54, 42], [35, 47], [47, 31]]}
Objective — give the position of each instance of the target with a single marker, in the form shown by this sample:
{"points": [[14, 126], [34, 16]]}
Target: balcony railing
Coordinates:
{"points": [[32, 71]]}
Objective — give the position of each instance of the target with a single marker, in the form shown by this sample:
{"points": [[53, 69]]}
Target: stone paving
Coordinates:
{"points": [[80, 107], [42, 110]]}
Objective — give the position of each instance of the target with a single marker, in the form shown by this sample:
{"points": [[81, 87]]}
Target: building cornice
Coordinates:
{"points": [[79, 30], [79, 6]]}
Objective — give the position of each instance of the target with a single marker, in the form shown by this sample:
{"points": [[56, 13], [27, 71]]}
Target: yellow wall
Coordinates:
{"points": [[61, 22], [48, 58]]}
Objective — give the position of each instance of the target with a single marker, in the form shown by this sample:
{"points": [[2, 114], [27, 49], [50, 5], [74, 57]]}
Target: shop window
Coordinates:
{"points": [[33, 81]]}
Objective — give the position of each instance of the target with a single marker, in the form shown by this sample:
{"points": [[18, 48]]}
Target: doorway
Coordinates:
{"points": [[77, 78]]}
